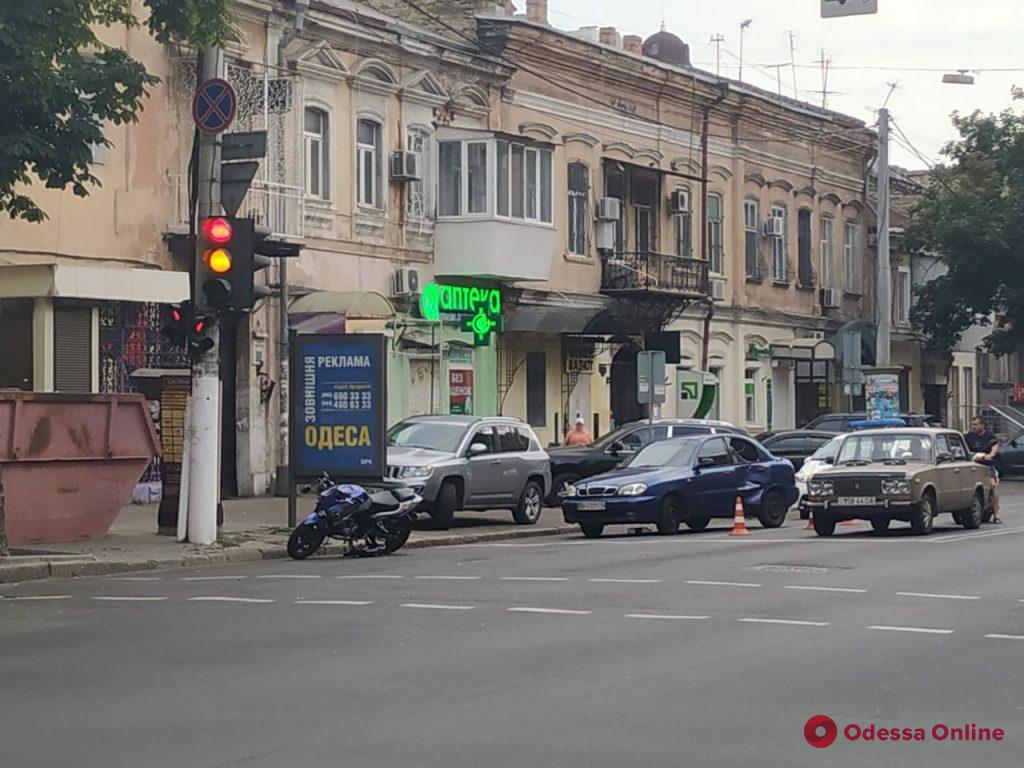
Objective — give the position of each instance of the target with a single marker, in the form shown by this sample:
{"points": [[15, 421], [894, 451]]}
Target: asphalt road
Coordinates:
{"points": [[692, 650]]}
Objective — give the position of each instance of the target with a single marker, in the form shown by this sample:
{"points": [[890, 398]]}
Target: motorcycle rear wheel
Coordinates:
{"points": [[304, 541], [398, 534]]}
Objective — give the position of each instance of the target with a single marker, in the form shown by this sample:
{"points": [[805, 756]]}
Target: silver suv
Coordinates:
{"points": [[469, 462]]}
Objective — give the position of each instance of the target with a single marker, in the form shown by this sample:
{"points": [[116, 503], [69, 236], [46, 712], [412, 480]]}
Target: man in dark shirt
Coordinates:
{"points": [[985, 447]]}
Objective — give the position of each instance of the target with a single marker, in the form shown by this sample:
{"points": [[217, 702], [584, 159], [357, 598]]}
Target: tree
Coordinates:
{"points": [[972, 218], [59, 83]]}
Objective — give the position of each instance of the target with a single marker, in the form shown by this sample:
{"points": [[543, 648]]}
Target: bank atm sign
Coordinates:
{"points": [[478, 310]]}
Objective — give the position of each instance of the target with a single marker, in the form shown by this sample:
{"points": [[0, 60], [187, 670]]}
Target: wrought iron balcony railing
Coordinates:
{"points": [[648, 271]]}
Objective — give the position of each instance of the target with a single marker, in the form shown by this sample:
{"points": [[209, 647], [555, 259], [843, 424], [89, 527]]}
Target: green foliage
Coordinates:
{"points": [[59, 83], [972, 219]]}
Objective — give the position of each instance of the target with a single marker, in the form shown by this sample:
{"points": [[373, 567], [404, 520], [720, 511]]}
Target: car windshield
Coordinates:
{"points": [[667, 453], [443, 436], [890, 447], [828, 449]]}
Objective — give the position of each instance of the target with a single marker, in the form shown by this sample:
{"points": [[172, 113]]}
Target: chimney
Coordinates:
{"points": [[537, 11], [610, 36], [633, 44]]}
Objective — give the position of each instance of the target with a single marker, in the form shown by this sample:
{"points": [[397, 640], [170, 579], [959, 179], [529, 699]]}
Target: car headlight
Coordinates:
{"points": [[896, 486], [412, 472], [570, 490], [820, 488], [633, 489]]}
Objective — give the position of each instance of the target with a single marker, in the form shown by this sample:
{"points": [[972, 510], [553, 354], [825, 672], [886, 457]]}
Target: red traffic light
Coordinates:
{"points": [[200, 324], [217, 230], [176, 314]]}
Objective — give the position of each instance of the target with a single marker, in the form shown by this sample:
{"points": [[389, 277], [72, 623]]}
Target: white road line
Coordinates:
{"points": [[534, 578], [828, 589], [289, 576], [663, 616], [448, 578], [965, 536], [792, 622], [996, 636], [371, 576], [625, 581], [129, 599], [943, 597], [922, 630], [439, 607], [226, 599], [334, 602], [723, 583], [134, 578], [212, 578], [38, 597], [563, 611]]}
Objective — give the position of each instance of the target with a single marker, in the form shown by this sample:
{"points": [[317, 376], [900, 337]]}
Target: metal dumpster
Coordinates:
{"points": [[69, 462]]}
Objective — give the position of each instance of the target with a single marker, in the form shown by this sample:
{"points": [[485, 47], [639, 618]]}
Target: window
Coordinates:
{"points": [[828, 246], [750, 394], [502, 171], [715, 450], [805, 269], [615, 186], [510, 441], [477, 176], [780, 257], [417, 142], [449, 155], [903, 296], [715, 256], [536, 389], [579, 190], [787, 445], [750, 239], [852, 258], [368, 165], [744, 449], [684, 225], [644, 228], [485, 436], [957, 447], [521, 179], [716, 372], [638, 438], [524, 179], [318, 182]]}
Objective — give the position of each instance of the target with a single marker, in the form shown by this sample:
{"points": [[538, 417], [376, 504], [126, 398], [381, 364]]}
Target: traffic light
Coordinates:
{"points": [[188, 329], [230, 262]]}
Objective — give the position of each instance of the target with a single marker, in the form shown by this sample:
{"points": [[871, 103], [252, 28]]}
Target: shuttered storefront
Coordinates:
{"points": [[73, 353]]}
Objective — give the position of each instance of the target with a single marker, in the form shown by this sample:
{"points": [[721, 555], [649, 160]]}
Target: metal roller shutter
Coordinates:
{"points": [[72, 343]]}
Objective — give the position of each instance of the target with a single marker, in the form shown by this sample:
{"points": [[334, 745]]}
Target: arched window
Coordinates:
{"points": [[368, 163], [579, 193], [317, 148]]}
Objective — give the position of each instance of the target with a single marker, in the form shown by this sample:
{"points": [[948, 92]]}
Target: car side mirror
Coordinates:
{"points": [[705, 461], [942, 458], [477, 448]]}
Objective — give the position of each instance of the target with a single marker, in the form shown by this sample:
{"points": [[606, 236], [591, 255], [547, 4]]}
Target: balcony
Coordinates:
{"points": [[495, 249], [647, 272], [278, 207]]}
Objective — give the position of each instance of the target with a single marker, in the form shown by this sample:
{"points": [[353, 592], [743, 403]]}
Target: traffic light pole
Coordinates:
{"points": [[204, 426]]}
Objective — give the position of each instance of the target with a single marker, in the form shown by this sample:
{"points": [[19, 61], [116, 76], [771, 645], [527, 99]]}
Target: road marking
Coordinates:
{"points": [[663, 616], [996, 636], [38, 597], [439, 607], [792, 622], [944, 597], [964, 536], [129, 599], [226, 599], [625, 581], [212, 578], [372, 576], [134, 578], [563, 611], [448, 578], [534, 578], [289, 576], [723, 583], [334, 602], [922, 630], [828, 589]]}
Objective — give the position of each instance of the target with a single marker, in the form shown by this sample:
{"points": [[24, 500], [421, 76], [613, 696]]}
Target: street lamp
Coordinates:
{"points": [[743, 25], [961, 78]]}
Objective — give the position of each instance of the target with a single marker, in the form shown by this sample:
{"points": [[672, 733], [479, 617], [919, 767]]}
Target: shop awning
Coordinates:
{"points": [[540, 319], [353, 305], [75, 281], [803, 349]]}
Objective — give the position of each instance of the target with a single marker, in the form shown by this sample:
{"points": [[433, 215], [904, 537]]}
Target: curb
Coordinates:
{"points": [[33, 568]]}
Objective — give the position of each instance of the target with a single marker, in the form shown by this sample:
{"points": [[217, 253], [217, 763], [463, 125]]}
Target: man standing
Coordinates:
{"points": [[985, 447], [579, 435]]}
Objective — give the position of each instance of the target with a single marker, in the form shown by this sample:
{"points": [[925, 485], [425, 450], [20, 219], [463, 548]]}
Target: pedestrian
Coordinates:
{"points": [[984, 446], [579, 435]]}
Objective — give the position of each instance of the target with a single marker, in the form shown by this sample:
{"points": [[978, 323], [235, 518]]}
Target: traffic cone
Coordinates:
{"points": [[739, 521], [850, 522], [810, 521]]}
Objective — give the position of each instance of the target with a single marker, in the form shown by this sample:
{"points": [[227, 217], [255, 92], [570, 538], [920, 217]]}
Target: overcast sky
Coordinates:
{"points": [[946, 34]]}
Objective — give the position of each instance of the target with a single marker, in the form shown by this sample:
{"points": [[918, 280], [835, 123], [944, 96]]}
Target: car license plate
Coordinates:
{"points": [[591, 506], [856, 501]]}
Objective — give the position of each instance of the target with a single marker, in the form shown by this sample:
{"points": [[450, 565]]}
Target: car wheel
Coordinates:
{"points": [[923, 517], [592, 530], [531, 502], [560, 483], [443, 511], [824, 526], [669, 516], [773, 510], [697, 522], [971, 518], [880, 523]]}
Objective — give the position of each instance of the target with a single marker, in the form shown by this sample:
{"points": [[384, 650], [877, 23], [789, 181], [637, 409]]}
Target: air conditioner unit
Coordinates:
{"points": [[405, 166], [829, 298], [679, 201], [609, 209], [605, 235], [717, 289], [773, 227], [405, 281]]}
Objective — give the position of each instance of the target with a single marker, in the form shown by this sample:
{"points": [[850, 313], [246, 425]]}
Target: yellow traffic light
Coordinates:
{"points": [[219, 260]]}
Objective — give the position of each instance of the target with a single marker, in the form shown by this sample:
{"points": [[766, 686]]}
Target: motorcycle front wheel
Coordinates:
{"points": [[398, 531], [304, 541]]}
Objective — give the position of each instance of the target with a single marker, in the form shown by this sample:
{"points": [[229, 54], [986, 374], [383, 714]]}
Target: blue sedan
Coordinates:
{"points": [[689, 479]]}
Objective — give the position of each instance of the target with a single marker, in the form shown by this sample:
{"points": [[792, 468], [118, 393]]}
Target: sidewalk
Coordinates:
{"points": [[254, 529]]}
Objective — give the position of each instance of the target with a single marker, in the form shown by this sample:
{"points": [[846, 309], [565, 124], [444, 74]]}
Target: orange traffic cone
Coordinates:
{"points": [[739, 521], [810, 521], [850, 522]]}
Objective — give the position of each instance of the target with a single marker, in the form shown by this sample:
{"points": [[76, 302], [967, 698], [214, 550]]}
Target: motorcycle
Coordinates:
{"points": [[371, 524]]}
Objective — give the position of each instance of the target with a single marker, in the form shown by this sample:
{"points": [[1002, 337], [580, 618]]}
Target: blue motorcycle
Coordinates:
{"points": [[370, 524]]}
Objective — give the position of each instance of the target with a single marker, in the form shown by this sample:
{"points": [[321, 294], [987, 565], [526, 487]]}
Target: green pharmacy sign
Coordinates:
{"points": [[476, 309]]}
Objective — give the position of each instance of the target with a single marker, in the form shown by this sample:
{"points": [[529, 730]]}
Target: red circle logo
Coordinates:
{"points": [[820, 731]]}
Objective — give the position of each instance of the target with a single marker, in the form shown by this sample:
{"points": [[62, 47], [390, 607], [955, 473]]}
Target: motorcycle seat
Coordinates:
{"points": [[383, 501]]}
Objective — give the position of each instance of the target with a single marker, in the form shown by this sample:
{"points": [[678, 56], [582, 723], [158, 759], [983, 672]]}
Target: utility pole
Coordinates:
{"points": [[717, 39], [743, 28], [826, 63], [792, 61], [204, 426], [884, 270]]}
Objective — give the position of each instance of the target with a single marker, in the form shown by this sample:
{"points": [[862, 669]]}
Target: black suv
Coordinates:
{"points": [[837, 423], [572, 463]]}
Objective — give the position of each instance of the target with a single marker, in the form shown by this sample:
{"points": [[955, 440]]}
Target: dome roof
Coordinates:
{"points": [[666, 47]]}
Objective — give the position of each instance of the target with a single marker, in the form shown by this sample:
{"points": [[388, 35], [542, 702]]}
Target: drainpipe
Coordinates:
{"points": [[705, 119], [301, 7]]}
